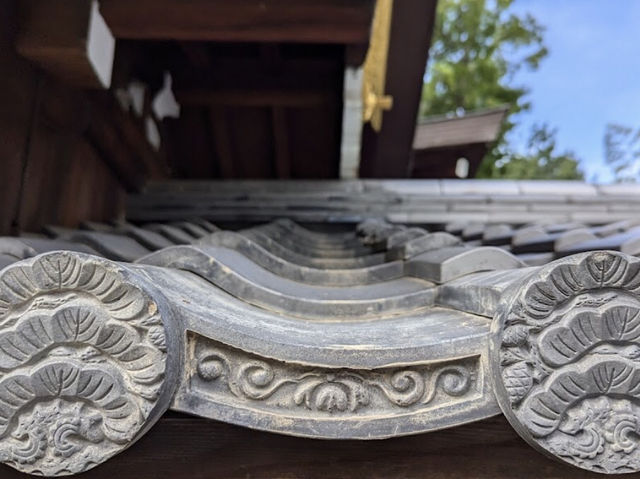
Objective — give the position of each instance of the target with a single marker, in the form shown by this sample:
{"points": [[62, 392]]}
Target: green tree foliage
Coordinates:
{"points": [[622, 152], [478, 47], [540, 161]]}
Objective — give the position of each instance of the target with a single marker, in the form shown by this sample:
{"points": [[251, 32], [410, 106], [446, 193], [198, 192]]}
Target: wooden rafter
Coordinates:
{"points": [[323, 21]]}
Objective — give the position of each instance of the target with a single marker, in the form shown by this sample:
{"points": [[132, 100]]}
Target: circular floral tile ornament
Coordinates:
{"points": [[84, 369], [565, 360]]}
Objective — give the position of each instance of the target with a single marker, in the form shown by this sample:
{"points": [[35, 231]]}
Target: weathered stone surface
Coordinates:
{"points": [[112, 246], [192, 229], [290, 330], [421, 244], [84, 364], [318, 238], [6, 260], [536, 259], [420, 202], [473, 231], [296, 272], [528, 234], [565, 351], [568, 239], [627, 242], [302, 257], [207, 225], [495, 235], [324, 402], [446, 264], [309, 244], [147, 238], [351, 378], [173, 234], [58, 232], [615, 227], [238, 275], [375, 230], [403, 236], [479, 293], [22, 248], [96, 226]]}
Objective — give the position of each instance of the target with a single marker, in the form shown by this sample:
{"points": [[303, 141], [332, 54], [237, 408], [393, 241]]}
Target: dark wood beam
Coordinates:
{"points": [[255, 98], [106, 140], [132, 133], [387, 154], [318, 21], [228, 70], [281, 142], [222, 142], [69, 39]]}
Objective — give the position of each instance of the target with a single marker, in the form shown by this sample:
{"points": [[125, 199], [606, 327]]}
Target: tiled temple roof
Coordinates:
{"points": [[339, 331], [399, 201]]}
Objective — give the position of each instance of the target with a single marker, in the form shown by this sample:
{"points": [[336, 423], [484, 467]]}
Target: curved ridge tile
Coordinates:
{"points": [[420, 244], [244, 279], [295, 257], [343, 380], [296, 272], [446, 264], [335, 239], [435, 333], [303, 245]]}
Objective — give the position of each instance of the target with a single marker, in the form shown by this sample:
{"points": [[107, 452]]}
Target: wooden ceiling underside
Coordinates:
{"points": [[293, 21], [260, 101], [249, 110], [259, 82]]}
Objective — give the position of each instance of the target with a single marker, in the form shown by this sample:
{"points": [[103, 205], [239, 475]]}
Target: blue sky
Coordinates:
{"points": [[591, 76]]}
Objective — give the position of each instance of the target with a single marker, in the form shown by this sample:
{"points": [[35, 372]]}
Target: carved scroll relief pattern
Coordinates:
{"points": [[234, 376], [82, 361], [570, 360]]}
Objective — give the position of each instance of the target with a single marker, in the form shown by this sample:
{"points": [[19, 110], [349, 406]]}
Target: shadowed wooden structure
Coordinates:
{"points": [[440, 142], [260, 87]]}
